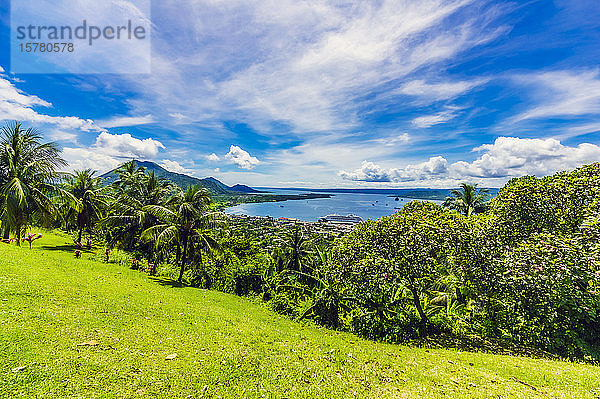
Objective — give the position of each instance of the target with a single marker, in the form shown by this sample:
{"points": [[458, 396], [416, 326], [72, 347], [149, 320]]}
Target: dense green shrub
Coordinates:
{"points": [[558, 203], [393, 263], [549, 298]]}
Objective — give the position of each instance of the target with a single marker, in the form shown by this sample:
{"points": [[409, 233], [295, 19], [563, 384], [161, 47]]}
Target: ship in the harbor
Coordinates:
{"points": [[335, 218]]}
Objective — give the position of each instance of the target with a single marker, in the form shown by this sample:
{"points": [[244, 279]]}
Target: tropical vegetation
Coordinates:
{"points": [[521, 270]]}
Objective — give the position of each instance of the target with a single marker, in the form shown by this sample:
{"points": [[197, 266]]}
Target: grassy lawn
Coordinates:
{"points": [[226, 346]]}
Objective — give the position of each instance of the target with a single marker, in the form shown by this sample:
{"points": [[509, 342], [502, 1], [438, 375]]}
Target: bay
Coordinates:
{"points": [[367, 206]]}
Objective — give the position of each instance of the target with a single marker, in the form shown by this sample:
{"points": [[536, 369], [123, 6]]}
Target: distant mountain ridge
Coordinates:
{"points": [[412, 193], [184, 181]]}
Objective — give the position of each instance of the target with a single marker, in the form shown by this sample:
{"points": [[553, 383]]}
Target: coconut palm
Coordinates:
{"points": [[27, 170], [135, 189], [129, 175], [91, 199], [468, 200], [297, 248], [184, 221]]}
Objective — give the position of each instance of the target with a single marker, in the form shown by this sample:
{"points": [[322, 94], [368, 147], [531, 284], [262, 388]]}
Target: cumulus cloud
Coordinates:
{"points": [[513, 156], [433, 168], [125, 145], [89, 158], [241, 158], [507, 157], [121, 121], [109, 150], [213, 157], [174, 166]]}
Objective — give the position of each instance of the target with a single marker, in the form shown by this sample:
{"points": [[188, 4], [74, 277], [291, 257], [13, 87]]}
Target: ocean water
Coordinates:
{"points": [[367, 206]]}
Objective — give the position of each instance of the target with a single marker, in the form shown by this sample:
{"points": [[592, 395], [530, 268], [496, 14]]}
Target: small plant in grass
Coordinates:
{"points": [[31, 238], [151, 269]]}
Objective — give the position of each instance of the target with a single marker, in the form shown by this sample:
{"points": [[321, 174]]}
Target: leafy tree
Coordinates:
{"points": [[91, 199], [407, 251], [27, 173], [468, 200], [183, 221]]}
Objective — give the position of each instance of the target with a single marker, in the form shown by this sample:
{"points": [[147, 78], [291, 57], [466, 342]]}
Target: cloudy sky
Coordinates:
{"points": [[298, 93]]}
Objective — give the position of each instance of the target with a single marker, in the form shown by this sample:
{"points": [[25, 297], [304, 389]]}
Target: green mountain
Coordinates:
{"points": [[184, 181]]}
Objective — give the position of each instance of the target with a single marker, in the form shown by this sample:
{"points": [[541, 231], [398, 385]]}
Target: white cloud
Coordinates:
{"points": [[213, 157], [310, 66], [174, 166], [178, 116], [562, 94], [434, 167], [435, 119], [507, 157], [60, 135], [1, 69], [17, 105], [241, 158], [513, 156], [125, 145], [393, 140], [121, 121], [89, 158], [109, 150], [9, 93], [579, 130], [438, 91]]}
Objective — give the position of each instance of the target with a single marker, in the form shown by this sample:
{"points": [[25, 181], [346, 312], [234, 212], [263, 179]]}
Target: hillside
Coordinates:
{"points": [[83, 328], [184, 181]]}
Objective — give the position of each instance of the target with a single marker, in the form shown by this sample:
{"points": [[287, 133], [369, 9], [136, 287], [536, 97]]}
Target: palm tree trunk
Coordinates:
{"points": [[417, 301], [183, 259], [18, 236], [80, 232], [459, 296]]}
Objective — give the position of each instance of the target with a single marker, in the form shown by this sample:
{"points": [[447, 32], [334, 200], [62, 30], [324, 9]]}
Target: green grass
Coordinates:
{"points": [[226, 346]]}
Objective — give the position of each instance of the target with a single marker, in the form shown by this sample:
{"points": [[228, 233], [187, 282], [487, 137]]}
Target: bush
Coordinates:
{"points": [[549, 287], [392, 264]]}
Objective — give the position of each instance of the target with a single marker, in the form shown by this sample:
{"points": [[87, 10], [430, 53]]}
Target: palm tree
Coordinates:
{"points": [[468, 200], [184, 221], [297, 248], [129, 175], [134, 190], [90, 199], [27, 170]]}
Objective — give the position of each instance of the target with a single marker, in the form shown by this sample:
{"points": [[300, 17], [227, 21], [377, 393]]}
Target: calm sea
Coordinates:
{"points": [[367, 206]]}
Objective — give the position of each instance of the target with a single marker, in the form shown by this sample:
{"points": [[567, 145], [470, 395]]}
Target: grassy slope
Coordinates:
{"points": [[227, 346]]}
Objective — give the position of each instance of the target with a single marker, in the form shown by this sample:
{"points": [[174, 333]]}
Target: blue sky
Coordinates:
{"points": [[341, 94]]}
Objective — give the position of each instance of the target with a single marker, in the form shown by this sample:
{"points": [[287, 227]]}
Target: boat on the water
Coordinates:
{"points": [[335, 218]]}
